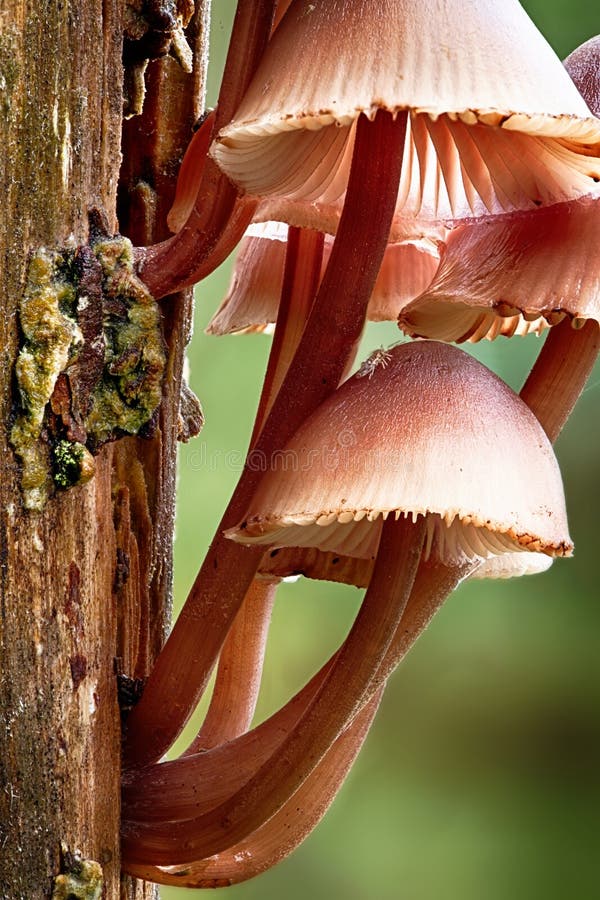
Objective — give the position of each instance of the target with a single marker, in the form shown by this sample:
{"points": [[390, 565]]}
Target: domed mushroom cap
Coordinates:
{"points": [[513, 275], [426, 430], [252, 301], [496, 123]]}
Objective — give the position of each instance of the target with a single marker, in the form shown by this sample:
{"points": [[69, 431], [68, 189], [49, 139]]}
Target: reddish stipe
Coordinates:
{"points": [[181, 260], [341, 697], [334, 326]]}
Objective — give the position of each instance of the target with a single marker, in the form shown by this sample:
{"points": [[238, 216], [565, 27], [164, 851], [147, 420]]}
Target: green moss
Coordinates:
{"points": [[72, 464]]}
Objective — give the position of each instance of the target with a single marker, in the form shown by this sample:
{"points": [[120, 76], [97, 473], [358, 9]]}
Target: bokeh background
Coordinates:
{"points": [[480, 778]]}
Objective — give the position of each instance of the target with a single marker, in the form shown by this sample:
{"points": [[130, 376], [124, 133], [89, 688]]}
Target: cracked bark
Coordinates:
{"points": [[87, 580]]}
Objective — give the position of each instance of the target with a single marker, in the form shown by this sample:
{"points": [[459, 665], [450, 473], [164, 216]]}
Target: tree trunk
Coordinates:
{"points": [[84, 582]]}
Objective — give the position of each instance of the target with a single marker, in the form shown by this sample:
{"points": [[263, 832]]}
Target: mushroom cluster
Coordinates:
{"points": [[441, 182]]}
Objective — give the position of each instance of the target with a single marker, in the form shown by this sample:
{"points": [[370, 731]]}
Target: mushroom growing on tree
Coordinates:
{"points": [[412, 130], [390, 442], [507, 275], [432, 482]]}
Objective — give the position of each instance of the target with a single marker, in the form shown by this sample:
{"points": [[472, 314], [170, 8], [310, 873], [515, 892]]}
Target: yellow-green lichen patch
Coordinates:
{"points": [[82, 881], [130, 389], [51, 337], [91, 364]]}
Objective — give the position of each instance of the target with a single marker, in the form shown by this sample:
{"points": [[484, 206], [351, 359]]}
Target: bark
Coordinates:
{"points": [[84, 584]]}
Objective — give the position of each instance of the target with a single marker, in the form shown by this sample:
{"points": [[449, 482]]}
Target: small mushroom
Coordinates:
{"points": [[507, 131], [418, 122], [252, 301], [513, 274], [429, 465], [282, 833], [432, 433]]}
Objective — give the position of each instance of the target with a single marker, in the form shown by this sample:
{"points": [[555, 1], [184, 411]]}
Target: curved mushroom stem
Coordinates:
{"points": [[281, 834], [187, 787], [196, 154], [329, 338], [238, 677], [434, 582], [230, 230], [234, 697], [280, 11], [190, 172], [335, 705], [560, 373], [286, 830], [568, 355], [181, 260]]}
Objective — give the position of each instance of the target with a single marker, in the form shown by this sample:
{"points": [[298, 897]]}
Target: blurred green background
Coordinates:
{"points": [[480, 778]]}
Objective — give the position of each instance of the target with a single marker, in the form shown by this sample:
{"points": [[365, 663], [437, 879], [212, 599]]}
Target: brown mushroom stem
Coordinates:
{"points": [[337, 702], [568, 355], [329, 338], [560, 373], [301, 276], [240, 217], [280, 11], [185, 787], [238, 676], [281, 834], [234, 697], [286, 830], [176, 263], [182, 788], [190, 172]]}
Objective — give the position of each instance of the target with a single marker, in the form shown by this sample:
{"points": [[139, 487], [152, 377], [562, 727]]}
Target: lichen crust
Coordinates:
{"points": [[91, 363], [130, 389], [51, 337], [83, 879]]}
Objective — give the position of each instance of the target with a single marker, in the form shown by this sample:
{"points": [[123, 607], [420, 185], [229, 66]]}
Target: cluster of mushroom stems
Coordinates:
{"points": [[423, 193]]}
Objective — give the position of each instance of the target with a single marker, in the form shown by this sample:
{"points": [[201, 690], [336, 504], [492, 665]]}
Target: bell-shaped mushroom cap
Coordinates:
{"points": [[427, 431], [496, 124], [513, 275], [252, 300]]}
